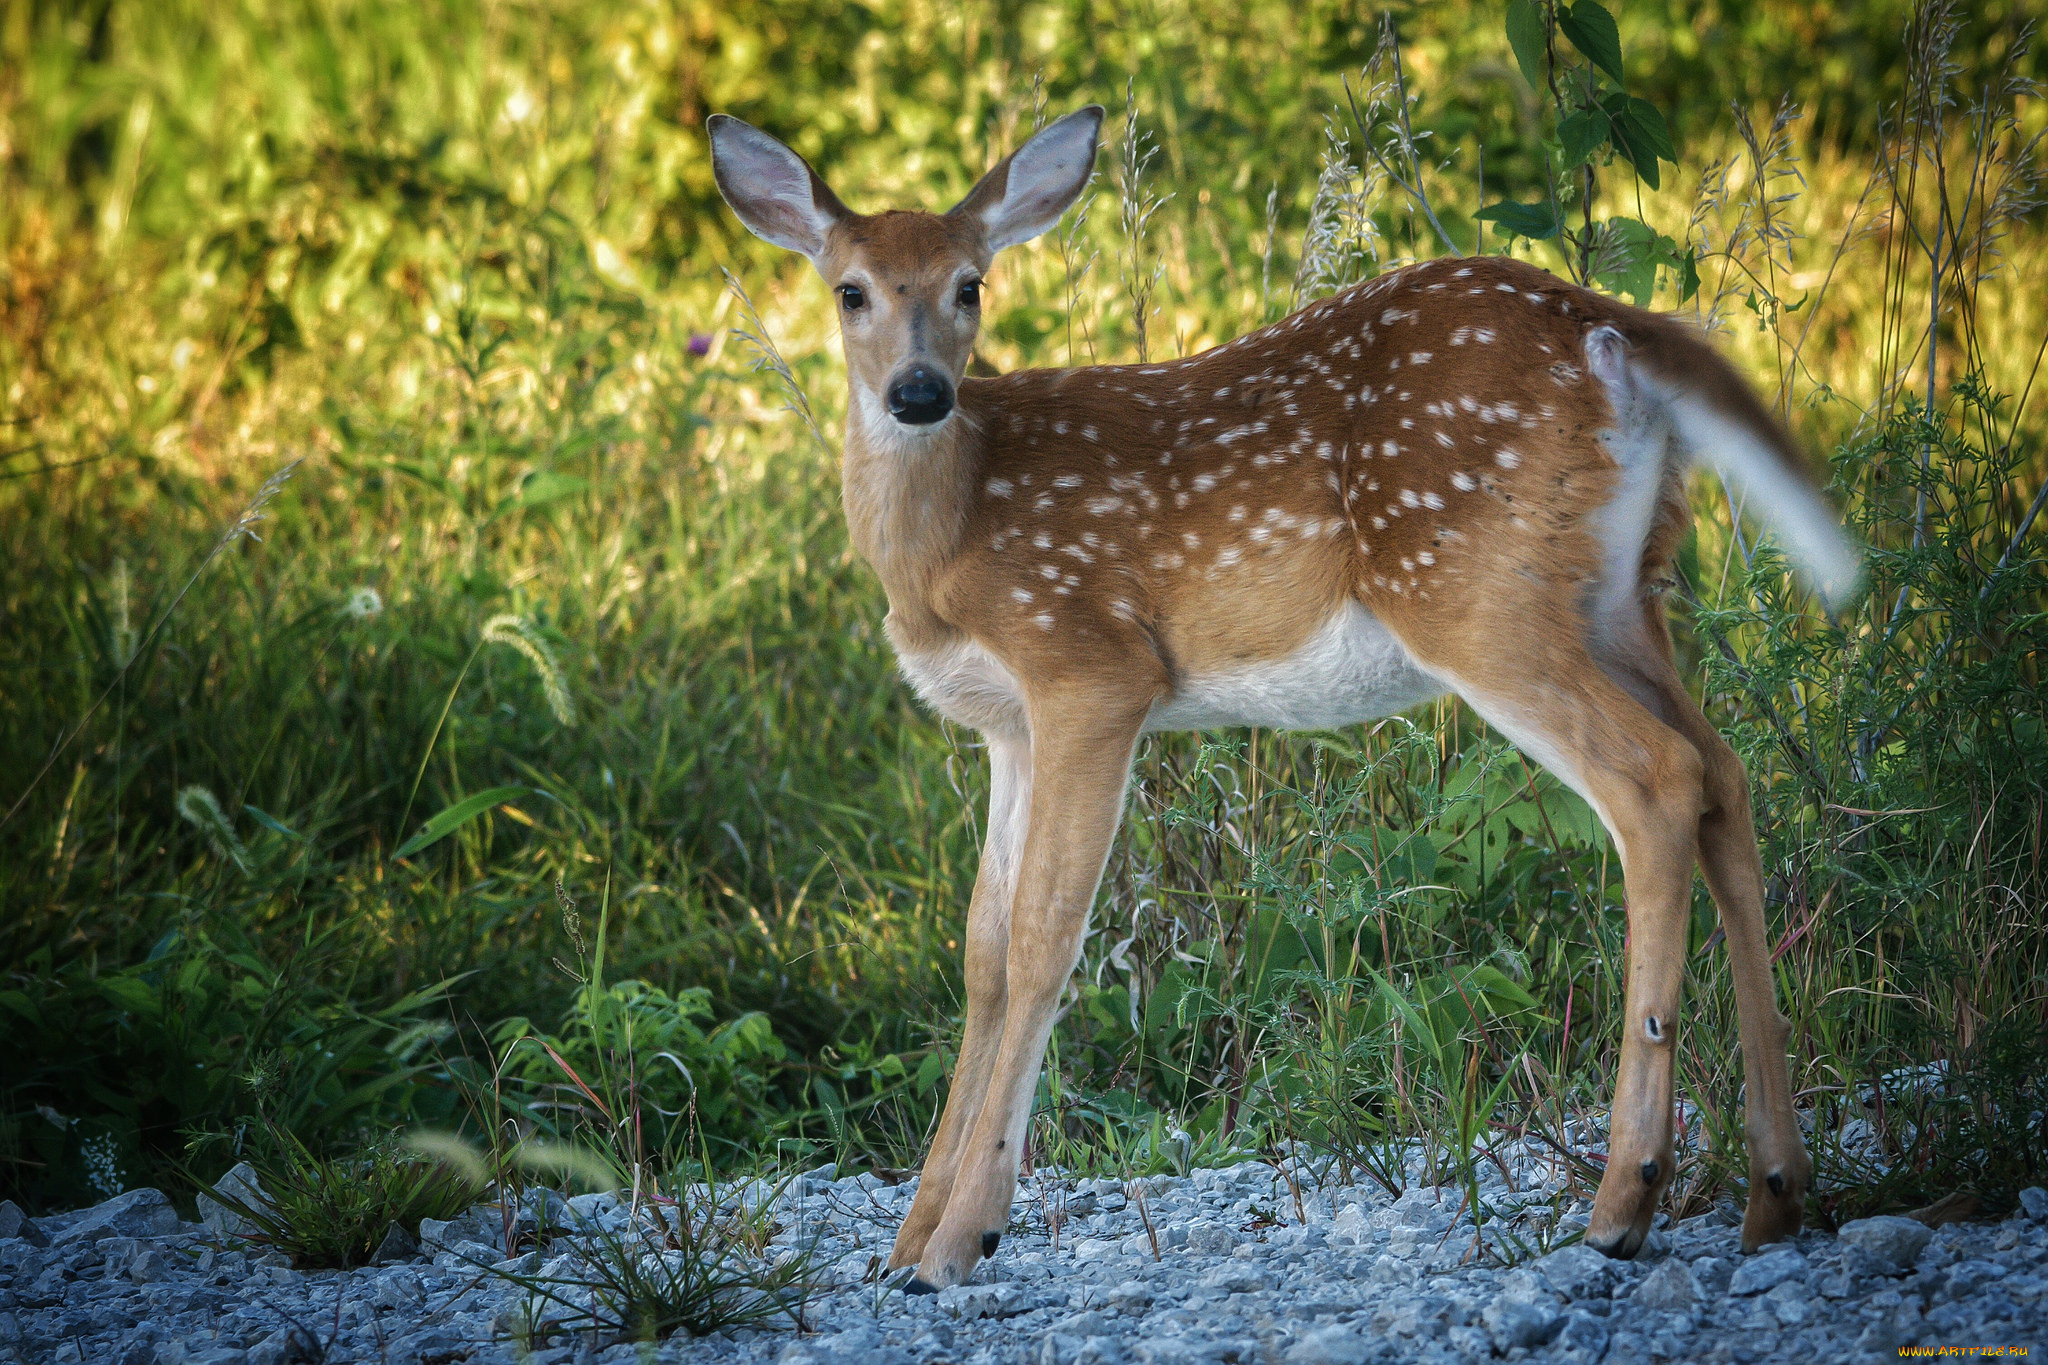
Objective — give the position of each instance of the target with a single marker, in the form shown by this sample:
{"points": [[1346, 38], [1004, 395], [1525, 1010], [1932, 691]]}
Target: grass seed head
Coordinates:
{"points": [[521, 634]]}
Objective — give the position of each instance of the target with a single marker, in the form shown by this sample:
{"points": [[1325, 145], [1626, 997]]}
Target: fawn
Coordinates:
{"points": [[1465, 476]]}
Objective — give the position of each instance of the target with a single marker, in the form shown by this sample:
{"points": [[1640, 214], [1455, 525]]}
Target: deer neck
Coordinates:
{"points": [[907, 495]]}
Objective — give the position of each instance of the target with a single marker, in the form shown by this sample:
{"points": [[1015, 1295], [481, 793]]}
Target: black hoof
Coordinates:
{"points": [[989, 1242], [917, 1286]]}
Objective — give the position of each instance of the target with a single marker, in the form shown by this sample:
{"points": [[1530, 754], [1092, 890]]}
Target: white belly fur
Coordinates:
{"points": [[1352, 669]]}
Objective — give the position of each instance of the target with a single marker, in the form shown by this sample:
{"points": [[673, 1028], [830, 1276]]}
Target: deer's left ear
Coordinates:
{"points": [[1028, 191]]}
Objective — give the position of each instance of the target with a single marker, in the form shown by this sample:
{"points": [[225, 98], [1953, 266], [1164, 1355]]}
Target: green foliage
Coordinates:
{"points": [[331, 1213], [169, 1054], [1620, 254], [690, 1264], [630, 1044]]}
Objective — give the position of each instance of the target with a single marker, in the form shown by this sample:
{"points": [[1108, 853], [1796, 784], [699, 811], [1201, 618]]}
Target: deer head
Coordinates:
{"points": [[909, 284]]}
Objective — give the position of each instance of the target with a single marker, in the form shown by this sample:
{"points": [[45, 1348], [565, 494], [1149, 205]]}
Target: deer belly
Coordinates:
{"points": [[1351, 669], [968, 685]]}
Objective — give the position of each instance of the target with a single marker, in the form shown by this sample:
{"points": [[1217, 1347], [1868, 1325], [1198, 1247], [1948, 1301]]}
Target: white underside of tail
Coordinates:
{"points": [[1810, 527], [1650, 416]]}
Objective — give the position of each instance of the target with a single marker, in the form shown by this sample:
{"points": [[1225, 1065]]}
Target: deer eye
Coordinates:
{"points": [[970, 294], [851, 299]]}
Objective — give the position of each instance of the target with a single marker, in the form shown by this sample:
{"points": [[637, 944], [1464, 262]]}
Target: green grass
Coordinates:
{"points": [[462, 265]]}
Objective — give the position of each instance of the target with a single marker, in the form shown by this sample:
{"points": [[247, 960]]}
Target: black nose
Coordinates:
{"points": [[920, 396]]}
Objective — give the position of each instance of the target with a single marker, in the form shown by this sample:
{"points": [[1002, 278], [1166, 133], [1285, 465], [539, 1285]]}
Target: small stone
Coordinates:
{"points": [[241, 1185], [286, 1346], [1518, 1322], [546, 1208], [482, 1224], [137, 1213], [1210, 1239], [971, 1301], [1237, 1279], [398, 1289], [1392, 1270], [1671, 1288], [1338, 1345], [2033, 1202], [1886, 1244], [936, 1338], [1470, 1343], [1880, 1338], [1578, 1272], [1789, 1303], [15, 1223], [1713, 1274], [1766, 1270], [118, 1252], [153, 1265], [1583, 1337], [397, 1247]]}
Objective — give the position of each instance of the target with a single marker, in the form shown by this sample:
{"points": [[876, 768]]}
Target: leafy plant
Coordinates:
{"points": [[332, 1213], [1596, 119], [690, 1263]]}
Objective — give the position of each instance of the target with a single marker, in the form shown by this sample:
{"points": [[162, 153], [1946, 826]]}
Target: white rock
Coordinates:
{"points": [[1579, 1272], [1513, 1322], [1767, 1269], [1886, 1244], [241, 1184], [1671, 1287], [1336, 1345], [136, 1213]]}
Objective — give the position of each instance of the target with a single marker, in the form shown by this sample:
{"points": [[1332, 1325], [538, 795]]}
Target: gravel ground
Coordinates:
{"points": [[1253, 1268]]}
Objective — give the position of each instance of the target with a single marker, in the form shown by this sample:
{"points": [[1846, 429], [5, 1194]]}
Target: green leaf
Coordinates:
{"points": [[1526, 37], [1631, 267], [455, 817], [1689, 276], [1640, 134], [1593, 32], [1582, 135], [546, 486], [930, 1072], [1534, 221], [1630, 255], [128, 993], [538, 489], [272, 823]]}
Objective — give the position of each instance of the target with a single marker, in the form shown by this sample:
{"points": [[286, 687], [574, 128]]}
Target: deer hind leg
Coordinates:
{"points": [[1079, 764], [988, 949], [1554, 701], [1780, 1172]]}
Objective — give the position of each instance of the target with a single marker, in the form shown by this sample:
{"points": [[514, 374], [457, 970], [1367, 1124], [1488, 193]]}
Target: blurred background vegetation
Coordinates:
{"points": [[380, 448]]}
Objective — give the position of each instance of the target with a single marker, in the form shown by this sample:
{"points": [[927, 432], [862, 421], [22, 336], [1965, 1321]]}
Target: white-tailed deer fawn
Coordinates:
{"points": [[1464, 476]]}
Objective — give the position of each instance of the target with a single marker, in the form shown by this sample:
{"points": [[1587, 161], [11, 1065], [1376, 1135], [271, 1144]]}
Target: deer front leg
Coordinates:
{"points": [[988, 947], [1080, 761]]}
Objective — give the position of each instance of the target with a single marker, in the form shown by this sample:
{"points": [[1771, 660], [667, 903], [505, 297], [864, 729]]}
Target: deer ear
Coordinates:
{"points": [[1029, 189], [771, 189]]}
